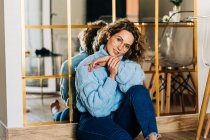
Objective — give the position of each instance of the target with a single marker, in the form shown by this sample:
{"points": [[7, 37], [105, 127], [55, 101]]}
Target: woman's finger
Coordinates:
{"points": [[110, 61], [114, 61], [97, 66], [87, 64], [102, 59], [117, 64]]}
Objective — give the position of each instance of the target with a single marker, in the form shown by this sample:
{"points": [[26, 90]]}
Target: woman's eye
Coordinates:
{"points": [[127, 47], [119, 39]]}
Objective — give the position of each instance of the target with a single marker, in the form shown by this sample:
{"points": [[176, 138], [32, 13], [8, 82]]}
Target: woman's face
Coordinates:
{"points": [[119, 43]]}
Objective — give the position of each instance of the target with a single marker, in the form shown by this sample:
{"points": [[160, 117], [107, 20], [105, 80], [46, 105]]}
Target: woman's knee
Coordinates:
{"points": [[65, 115], [57, 116], [139, 91]]}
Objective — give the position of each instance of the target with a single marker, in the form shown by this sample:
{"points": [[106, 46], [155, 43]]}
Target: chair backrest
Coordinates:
{"points": [[176, 47]]}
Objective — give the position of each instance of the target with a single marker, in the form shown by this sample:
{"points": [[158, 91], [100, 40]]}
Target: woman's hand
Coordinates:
{"points": [[113, 65], [100, 62]]}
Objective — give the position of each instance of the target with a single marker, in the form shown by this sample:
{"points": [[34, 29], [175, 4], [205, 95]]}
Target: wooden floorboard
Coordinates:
{"points": [[185, 135]]}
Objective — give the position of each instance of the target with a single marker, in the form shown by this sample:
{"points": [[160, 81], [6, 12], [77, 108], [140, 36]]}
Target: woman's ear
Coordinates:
{"points": [[108, 36]]}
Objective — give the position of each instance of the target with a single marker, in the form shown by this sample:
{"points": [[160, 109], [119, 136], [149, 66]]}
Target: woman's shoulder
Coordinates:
{"points": [[79, 56], [86, 60], [64, 67], [130, 62]]}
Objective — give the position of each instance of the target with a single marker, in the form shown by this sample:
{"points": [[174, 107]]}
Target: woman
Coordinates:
{"points": [[113, 102], [86, 38]]}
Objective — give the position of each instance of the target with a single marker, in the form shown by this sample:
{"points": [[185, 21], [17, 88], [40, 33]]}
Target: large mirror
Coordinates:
{"points": [[46, 50]]}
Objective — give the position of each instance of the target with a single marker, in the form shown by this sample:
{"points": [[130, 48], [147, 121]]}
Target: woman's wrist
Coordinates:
{"points": [[112, 76]]}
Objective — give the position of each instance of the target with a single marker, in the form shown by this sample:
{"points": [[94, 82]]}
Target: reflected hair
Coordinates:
{"points": [[137, 49], [87, 36]]}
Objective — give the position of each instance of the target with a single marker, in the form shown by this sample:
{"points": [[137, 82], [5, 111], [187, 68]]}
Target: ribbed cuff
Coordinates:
{"points": [[153, 133]]}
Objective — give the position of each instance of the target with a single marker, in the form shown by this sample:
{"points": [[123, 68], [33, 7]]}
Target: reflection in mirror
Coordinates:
{"points": [[46, 49], [45, 12], [177, 86], [41, 61], [132, 10], [91, 10], [43, 102], [43, 65], [177, 89], [53, 12], [172, 51], [164, 7]]}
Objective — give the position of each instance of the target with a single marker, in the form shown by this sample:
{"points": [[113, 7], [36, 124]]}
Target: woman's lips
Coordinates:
{"points": [[115, 52]]}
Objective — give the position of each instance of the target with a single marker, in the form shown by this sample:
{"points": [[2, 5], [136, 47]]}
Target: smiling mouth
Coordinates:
{"points": [[115, 52]]}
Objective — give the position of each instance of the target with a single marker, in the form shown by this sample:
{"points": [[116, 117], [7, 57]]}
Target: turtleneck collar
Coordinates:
{"points": [[81, 50]]}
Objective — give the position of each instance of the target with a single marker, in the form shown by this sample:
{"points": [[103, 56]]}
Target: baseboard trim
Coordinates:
{"points": [[68, 131]]}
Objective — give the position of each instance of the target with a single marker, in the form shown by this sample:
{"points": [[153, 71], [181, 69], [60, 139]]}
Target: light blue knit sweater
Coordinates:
{"points": [[97, 93]]}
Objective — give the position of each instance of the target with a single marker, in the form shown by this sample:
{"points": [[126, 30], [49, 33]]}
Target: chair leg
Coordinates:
{"points": [[207, 128], [152, 86], [168, 93], [162, 101], [203, 107]]}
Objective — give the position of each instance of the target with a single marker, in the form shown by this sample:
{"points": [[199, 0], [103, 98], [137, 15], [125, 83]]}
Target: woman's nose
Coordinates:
{"points": [[120, 47]]}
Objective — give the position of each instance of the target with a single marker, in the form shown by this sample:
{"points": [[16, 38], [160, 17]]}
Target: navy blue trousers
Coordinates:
{"points": [[135, 114], [62, 116]]}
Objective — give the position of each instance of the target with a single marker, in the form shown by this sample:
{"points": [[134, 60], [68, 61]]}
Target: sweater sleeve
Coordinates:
{"points": [[95, 96], [129, 74], [64, 87]]}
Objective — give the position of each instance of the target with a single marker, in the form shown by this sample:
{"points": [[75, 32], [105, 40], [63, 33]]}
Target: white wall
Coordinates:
{"points": [[203, 9], [12, 20], [3, 102]]}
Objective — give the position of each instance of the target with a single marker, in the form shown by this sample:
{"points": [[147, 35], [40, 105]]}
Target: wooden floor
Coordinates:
{"points": [[185, 135]]}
